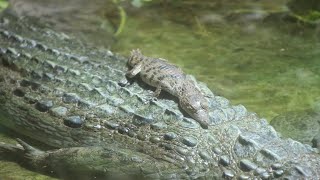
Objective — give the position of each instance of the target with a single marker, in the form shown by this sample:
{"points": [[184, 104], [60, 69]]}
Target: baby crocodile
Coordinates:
{"points": [[159, 73]]}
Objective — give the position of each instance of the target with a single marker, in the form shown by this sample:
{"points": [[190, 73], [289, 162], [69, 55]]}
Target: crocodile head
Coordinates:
{"points": [[197, 107], [135, 58]]}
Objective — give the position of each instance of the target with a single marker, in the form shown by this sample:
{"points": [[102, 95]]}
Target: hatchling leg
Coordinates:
{"points": [[134, 71], [157, 91]]}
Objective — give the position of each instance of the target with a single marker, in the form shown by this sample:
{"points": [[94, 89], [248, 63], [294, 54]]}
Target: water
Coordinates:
{"points": [[268, 65], [241, 49]]}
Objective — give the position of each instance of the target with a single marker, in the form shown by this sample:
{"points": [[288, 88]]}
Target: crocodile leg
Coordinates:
{"points": [[157, 92], [134, 71], [100, 162]]}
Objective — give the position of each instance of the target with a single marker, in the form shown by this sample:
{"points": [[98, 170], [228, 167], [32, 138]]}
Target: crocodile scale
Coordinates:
{"points": [[66, 94]]}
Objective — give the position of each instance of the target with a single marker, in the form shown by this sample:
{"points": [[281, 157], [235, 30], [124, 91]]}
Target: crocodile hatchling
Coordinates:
{"points": [[159, 73]]}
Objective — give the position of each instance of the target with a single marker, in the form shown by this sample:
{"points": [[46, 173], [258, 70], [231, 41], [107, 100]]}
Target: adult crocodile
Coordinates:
{"points": [[303, 125], [67, 95]]}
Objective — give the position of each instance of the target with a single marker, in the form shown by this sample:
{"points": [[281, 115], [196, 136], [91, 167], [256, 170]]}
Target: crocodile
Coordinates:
{"points": [[159, 73], [59, 91], [303, 125]]}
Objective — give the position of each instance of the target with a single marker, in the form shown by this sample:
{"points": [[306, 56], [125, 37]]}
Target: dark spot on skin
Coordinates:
{"points": [[152, 77], [149, 69], [153, 68], [160, 78], [145, 76]]}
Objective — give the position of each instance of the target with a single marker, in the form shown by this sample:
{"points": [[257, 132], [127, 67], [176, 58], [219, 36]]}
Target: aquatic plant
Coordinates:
{"points": [[305, 11], [313, 15], [123, 14]]}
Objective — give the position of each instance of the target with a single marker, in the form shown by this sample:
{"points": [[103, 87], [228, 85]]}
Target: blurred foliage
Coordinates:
{"points": [[3, 4], [139, 3], [306, 11], [303, 7], [123, 14], [312, 16]]}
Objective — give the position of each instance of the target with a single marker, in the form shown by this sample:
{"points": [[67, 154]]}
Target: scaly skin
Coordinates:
{"points": [[162, 75], [65, 94]]}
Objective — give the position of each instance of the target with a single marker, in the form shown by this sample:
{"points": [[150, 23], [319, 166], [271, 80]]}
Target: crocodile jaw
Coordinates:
{"points": [[201, 116]]}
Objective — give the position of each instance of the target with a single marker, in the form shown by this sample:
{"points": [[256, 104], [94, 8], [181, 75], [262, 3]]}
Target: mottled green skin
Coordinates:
{"points": [[66, 94]]}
